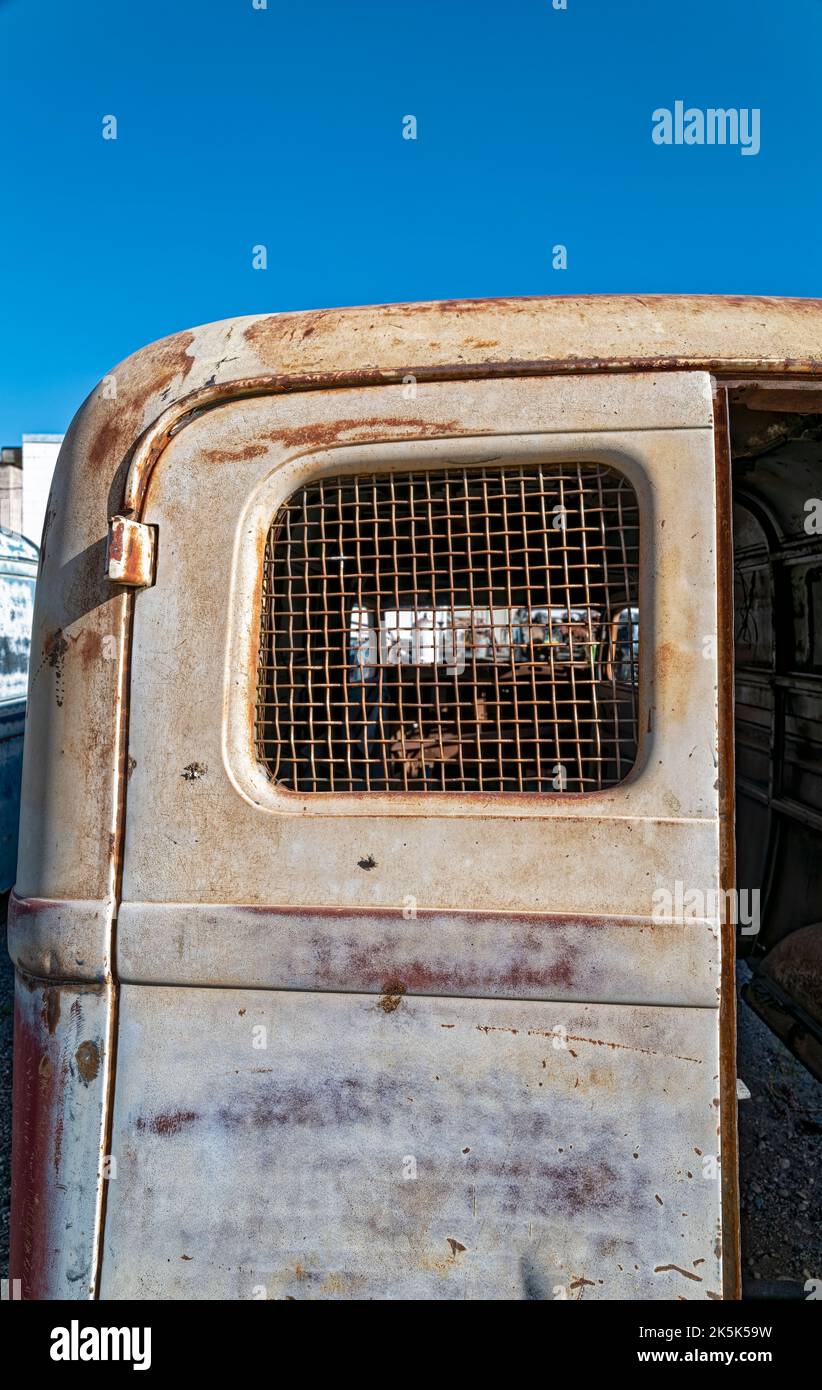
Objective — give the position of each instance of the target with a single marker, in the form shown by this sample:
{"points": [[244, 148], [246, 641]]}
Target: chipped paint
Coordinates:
{"points": [[271, 396], [57, 1137], [443, 1162]]}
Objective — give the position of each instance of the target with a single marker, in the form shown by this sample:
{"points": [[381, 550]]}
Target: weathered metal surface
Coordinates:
{"points": [[413, 341], [659, 826], [412, 1148], [203, 822], [156, 435], [130, 553], [60, 1049], [71, 680], [731, 1271], [477, 954], [60, 940]]}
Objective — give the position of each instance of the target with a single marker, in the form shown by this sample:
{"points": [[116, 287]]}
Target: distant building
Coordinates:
{"points": [[11, 488], [39, 457]]}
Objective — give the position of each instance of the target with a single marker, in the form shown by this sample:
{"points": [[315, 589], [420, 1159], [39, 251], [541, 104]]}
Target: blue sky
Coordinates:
{"points": [[283, 127]]}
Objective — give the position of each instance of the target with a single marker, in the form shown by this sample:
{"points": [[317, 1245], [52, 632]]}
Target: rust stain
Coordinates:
{"points": [[51, 1007], [55, 647], [241, 454], [91, 648], [324, 433], [87, 1058], [166, 362], [168, 1124], [603, 1042], [131, 552], [525, 968], [391, 997], [686, 1273], [58, 1143]]}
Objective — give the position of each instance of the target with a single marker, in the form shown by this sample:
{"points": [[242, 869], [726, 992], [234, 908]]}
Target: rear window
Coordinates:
{"points": [[453, 630]]}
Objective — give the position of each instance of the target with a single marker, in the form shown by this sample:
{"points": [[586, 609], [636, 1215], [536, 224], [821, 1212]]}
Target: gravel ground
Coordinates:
{"points": [[780, 1140], [780, 1163]]}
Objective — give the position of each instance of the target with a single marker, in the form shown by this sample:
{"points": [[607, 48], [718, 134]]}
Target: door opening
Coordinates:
{"points": [[776, 444]]}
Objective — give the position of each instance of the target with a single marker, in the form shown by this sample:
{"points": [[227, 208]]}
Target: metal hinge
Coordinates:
{"points": [[130, 553]]}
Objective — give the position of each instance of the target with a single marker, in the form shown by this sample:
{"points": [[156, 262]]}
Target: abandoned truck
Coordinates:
{"points": [[381, 698]]}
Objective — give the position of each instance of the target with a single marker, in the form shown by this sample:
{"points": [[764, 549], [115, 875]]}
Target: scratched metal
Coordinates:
{"points": [[60, 1047], [411, 1148]]}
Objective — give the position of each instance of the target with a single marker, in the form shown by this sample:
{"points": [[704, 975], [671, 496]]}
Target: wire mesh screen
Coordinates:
{"points": [[467, 629]]}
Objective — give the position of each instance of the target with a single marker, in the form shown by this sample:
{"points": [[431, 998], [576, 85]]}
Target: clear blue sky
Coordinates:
{"points": [[284, 127]]}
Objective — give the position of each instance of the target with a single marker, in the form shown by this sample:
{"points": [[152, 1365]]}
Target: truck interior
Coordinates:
{"points": [[776, 447]]}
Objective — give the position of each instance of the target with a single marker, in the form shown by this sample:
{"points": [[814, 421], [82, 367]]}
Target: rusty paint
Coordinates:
{"points": [[131, 553], [122, 415], [391, 997], [109, 456], [51, 1008], [341, 1080], [57, 1128], [55, 647], [732, 1261], [168, 1124], [551, 955], [686, 1273], [659, 325], [87, 1058], [797, 398]]}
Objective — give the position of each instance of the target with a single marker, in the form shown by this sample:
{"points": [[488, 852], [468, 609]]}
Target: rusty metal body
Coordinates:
{"points": [[277, 1041]]}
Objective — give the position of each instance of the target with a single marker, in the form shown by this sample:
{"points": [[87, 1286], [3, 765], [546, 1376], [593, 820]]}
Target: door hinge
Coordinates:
{"points": [[130, 554]]}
